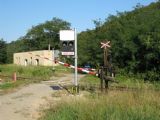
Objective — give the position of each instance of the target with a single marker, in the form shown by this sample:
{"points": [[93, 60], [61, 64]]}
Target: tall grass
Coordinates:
{"points": [[44, 72], [28, 74], [115, 105], [28, 71], [123, 81], [135, 82], [142, 103], [90, 79]]}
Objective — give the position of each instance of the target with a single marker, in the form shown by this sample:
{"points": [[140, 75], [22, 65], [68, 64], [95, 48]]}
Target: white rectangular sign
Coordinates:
{"points": [[66, 35], [67, 53]]}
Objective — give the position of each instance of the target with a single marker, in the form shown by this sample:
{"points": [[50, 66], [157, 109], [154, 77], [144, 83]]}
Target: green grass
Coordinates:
{"points": [[90, 79], [89, 82], [114, 105], [135, 82], [123, 81], [31, 73], [141, 104], [11, 85], [60, 70], [6, 86]]}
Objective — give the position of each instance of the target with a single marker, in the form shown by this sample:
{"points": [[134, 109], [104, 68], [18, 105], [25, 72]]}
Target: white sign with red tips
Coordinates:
{"points": [[105, 45]]}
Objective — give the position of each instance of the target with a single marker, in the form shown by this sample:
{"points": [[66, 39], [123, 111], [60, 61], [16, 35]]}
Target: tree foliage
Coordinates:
{"points": [[38, 38], [14, 47], [3, 55], [135, 40]]}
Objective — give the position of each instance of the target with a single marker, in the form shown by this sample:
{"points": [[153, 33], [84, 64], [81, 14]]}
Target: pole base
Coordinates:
{"points": [[75, 89]]}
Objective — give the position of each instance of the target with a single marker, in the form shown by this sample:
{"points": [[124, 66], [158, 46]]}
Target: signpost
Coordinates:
{"points": [[68, 40], [103, 71], [107, 67]]}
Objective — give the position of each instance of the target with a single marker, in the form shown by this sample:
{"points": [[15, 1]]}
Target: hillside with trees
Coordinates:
{"points": [[135, 41]]}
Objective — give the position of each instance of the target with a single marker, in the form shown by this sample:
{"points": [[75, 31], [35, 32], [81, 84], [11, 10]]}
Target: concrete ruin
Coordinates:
{"points": [[35, 58]]}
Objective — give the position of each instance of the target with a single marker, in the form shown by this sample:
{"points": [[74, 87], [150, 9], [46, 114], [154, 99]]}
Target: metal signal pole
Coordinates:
{"points": [[76, 57], [67, 36]]}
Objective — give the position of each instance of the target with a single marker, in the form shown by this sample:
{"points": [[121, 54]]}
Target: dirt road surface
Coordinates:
{"points": [[25, 103]]}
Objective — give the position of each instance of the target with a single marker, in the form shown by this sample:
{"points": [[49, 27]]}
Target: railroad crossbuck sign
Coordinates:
{"points": [[105, 45]]}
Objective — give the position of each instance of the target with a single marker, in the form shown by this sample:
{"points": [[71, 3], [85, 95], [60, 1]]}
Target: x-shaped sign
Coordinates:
{"points": [[105, 45]]}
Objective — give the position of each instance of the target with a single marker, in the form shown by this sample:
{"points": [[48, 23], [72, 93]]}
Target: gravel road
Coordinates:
{"points": [[25, 103]]}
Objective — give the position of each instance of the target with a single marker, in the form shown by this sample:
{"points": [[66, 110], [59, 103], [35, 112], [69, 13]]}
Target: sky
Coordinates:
{"points": [[18, 16]]}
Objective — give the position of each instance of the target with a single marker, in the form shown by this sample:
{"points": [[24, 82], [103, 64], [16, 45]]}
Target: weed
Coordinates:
{"points": [[112, 106], [27, 74]]}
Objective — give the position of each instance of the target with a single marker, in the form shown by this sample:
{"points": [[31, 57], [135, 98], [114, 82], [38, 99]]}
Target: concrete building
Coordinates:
{"points": [[43, 58]]}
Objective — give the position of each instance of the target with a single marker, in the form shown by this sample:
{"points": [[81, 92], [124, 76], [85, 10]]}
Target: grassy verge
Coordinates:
{"points": [[123, 81], [8, 86], [114, 105], [141, 104], [89, 82], [134, 82], [27, 75], [90, 79], [28, 72]]}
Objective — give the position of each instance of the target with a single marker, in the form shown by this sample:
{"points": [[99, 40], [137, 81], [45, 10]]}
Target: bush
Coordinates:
{"points": [[152, 76], [20, 70], [147, 76], [40, 72]]}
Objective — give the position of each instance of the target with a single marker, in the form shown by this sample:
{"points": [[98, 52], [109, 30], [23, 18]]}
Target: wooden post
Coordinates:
{"points": [[105, 69], [105, 57], [106, 64], [101, 77]]}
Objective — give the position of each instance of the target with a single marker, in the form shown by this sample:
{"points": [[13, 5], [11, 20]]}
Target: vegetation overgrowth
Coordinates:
{"points": [[141, 103], [135, 41], [114, 105], [28, 74]]}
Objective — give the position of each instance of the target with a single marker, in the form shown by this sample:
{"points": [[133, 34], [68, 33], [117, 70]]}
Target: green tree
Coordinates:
{"points": [[3, 57], [134, 37], [38, 37], [15, 46]]}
